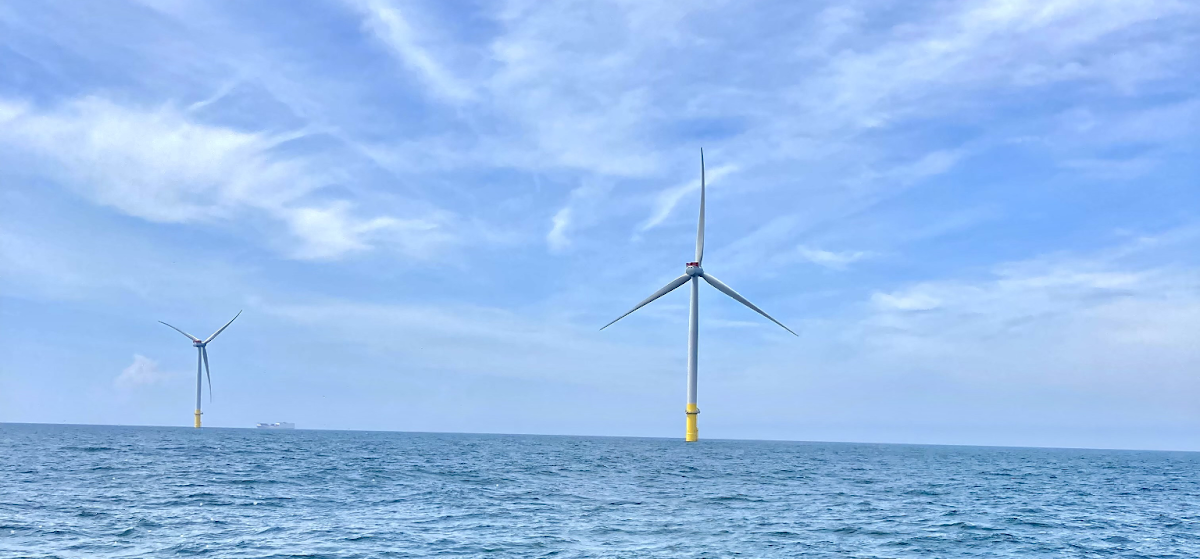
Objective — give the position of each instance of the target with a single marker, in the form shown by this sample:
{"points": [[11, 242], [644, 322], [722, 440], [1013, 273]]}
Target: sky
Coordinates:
{"points": [[982, 218]]}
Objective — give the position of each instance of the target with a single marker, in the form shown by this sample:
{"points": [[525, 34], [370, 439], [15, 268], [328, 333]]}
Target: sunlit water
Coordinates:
{"points": [[74, 491]]}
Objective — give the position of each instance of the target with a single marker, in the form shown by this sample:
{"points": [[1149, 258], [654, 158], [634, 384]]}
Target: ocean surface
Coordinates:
{"points": [[82, 491]]}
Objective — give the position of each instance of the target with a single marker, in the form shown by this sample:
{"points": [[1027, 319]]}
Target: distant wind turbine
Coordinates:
{"points": [[202, 356], [693, 273]]}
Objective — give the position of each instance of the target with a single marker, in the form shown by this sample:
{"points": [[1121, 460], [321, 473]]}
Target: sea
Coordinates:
{"points": [[95, 491]]}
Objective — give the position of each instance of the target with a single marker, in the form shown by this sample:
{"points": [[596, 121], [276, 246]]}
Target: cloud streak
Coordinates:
{"points": [[830, 259], [1089, 323], [669, 198], [163, 166], [390, 25]]}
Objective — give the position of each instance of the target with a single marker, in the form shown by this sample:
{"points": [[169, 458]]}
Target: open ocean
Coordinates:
{"points": [[82, 491]]}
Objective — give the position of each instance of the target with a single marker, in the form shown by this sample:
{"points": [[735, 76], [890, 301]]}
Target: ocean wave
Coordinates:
{"points": [[226, 493]]}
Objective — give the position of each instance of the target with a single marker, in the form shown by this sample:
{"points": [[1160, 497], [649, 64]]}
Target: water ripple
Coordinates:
{"points": [[137, 492]]}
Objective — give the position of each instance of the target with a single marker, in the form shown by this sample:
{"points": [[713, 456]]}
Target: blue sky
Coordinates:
{"points": [[982, 218]]}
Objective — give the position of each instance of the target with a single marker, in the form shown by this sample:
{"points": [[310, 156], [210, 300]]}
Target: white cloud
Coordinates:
{"points": [[155, 164], [142, 372], [895, 177], [163, 166], [577, 214], [924, 67], [557, 237], [908, 301], [330, 232], [389, 24], [551, 86], [1104, 323], [669, 198], [830, 259], [601, 87], [570, 82]]}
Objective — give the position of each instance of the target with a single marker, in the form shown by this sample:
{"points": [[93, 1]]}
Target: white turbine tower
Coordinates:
{"points": [[202, 356], [693, 273]]}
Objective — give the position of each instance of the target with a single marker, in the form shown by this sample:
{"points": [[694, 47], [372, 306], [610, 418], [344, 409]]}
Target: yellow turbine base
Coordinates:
{"points": [[693, 434], [197, 419]]}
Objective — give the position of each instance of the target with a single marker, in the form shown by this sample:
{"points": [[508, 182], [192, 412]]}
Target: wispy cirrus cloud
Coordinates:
{"points": [[391, 25], [831, 259], [1083, 320], [162, 165], [978, 45], [669, 198], [578, 214], [542, 70]]}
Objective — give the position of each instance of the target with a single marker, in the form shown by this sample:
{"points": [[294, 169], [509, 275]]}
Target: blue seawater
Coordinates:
{"points": [[83, 491]]}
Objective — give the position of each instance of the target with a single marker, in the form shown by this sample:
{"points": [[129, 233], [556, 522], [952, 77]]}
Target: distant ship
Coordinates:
{"points": [[277, 425]]}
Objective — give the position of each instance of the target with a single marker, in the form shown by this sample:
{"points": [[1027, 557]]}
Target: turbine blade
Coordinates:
{"points": [[734, 294], [666, 289], [210, 338], [207, 373], [700, 227], [190, 337]]}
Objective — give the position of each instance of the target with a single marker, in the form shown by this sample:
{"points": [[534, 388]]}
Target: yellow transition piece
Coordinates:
{"points": [[197, 419], [693, 434]]}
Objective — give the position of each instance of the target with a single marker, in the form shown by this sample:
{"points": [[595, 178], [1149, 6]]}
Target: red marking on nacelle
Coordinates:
{"points": [[693, 264]]}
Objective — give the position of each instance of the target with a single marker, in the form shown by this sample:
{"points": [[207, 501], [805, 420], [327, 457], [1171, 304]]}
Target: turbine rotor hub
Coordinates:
{"points": [[198, 344], [693, 269]]}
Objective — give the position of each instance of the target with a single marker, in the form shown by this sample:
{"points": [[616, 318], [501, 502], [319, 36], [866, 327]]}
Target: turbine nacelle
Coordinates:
{"points": [[197, 343], [693, 269]]}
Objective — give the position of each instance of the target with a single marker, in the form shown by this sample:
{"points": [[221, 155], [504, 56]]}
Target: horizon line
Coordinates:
{"points": [[1026, 447]]}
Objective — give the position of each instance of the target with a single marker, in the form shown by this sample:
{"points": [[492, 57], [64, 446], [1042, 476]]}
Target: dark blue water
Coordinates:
{"points": [[76, 491]]}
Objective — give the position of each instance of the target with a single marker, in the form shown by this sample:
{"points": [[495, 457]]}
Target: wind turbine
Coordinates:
{"points": [[202, 356], [693, 273]]}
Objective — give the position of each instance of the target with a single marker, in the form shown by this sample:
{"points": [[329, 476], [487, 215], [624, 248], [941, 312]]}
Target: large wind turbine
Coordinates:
{"points": [[693, 273], [202, 356]]}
